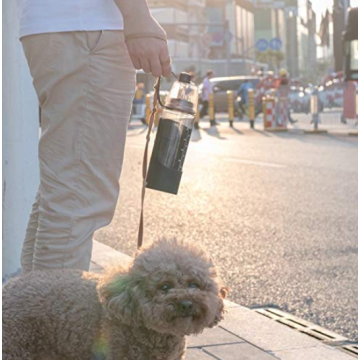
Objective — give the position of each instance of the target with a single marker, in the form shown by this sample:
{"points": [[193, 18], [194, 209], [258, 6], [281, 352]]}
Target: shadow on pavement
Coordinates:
{"points": [[237, 131], [195, 135], [213, 131]]}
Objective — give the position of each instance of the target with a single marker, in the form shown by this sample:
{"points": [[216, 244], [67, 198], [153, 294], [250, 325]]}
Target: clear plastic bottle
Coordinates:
{"points": [[173, 136]]}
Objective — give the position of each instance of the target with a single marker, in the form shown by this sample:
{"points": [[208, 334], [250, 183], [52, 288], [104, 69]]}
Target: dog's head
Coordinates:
{"points": [[172, 287]]}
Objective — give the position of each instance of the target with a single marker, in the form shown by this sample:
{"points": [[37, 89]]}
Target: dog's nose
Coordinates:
{"points": [[186, 306]]}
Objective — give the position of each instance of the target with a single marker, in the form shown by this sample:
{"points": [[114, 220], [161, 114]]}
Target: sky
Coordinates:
{"points": [[320, 7]]}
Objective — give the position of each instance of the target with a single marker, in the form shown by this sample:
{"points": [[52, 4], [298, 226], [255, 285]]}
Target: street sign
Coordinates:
{"points": [[262, 45], [275, 44]]}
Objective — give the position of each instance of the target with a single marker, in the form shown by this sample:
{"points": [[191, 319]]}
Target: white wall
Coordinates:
{"points": [[20, 141]]}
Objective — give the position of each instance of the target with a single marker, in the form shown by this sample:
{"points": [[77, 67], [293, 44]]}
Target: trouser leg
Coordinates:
{"points": [[85, 84], [27, 253], [204, 109]]}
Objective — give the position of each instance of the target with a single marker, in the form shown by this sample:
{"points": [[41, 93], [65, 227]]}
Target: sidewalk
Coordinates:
{"points": [[243, 334], [330, 121]]}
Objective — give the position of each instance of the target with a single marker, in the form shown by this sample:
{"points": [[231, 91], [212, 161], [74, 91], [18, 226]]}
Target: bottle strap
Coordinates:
{"points": [[145, 159], [156, 100]]}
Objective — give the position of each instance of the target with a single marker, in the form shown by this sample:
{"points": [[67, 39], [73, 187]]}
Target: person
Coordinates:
{"points": [[243, 92], [139, 102], [282, 84], [206, 91], [82, 57]]}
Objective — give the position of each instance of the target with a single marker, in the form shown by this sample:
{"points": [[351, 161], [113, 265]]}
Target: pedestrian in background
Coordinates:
{"points": [[282, 86], [82, 57], [139, 101], [243, 92], [206, 90]]}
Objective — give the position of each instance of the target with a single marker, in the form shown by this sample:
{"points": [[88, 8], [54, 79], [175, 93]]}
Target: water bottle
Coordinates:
{"points": [[173, 136]]}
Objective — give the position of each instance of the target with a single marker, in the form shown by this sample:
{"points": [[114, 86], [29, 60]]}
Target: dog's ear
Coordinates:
{"points": [[118, 294], [224, 291], [219, 315]]}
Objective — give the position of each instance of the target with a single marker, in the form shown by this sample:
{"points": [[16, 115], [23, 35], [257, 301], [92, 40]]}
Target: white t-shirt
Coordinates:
{"points": [[207, 89], [45, 16]]}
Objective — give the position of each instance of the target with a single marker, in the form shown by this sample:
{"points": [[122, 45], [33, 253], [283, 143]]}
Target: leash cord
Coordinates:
{"points": [[156, 100]]}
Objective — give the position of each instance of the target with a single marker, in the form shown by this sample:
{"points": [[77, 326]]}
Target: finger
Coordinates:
{"points": [[166, 70], [165, 61], [145, 65], [136, 62], [156, 69]]}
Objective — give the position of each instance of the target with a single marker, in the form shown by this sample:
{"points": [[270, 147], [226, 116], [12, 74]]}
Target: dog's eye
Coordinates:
{"points": [[165, 287], [193, 286]]}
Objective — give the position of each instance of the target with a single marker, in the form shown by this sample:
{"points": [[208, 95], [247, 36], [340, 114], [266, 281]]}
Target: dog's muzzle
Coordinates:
{"points": [[185, 308]]}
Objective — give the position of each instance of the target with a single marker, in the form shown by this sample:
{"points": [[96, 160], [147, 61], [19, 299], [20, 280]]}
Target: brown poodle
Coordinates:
{"points": [[142, 313]]}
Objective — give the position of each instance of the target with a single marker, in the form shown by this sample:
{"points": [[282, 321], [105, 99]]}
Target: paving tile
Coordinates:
{"points": [[242, 351], [265, 333], [197, 354], [320, 352], [215, 336], [230, 304]]}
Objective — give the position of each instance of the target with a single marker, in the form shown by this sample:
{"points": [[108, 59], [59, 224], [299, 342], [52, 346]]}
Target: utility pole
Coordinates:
{"points": [[339, 21], [228, 49], [227, 36]]}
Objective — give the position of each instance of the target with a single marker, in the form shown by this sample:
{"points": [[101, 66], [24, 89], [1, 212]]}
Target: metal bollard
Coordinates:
{"points": [[314, 108], [211, 109], [251, 107], [264, 108], [147, 108], [230, 97]]}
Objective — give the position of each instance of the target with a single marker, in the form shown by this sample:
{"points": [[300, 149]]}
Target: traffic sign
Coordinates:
{"points": [[275, 44], [262, 45]]}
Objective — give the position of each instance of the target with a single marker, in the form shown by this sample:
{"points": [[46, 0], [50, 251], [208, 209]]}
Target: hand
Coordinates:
{"points": [[151, 55]]}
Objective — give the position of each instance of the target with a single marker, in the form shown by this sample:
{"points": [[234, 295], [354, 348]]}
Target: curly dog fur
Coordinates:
{"points": [[142, 313]]}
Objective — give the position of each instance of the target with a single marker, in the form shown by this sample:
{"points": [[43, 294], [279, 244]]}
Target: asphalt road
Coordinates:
{"points": [[278, 212]]}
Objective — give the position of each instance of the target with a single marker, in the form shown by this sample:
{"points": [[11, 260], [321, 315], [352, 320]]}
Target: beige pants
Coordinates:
{"points": [[85, 83]]}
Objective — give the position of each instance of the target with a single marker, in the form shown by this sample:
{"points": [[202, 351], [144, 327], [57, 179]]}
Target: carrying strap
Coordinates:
{"points": [[156, 100], [144, 165]]}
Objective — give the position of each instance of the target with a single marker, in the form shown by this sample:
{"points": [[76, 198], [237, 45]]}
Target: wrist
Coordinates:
{"points": [[143, 27]]}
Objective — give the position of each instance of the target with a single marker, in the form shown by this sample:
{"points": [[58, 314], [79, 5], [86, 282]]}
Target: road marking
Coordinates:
{"points": [[251, 162]]}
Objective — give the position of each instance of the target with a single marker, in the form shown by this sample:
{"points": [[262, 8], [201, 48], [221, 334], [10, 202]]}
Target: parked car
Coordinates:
{"points": [[300, 99], [332, 94], [222, 84]]}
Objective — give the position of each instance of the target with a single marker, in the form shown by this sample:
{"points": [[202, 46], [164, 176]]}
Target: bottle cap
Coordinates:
{"points": [[185, 78]]}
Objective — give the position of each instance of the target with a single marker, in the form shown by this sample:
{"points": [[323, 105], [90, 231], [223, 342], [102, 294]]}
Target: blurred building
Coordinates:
{"points": [[301, 38], [339, 18], [270, 23], [203, 34], [173, 17]]}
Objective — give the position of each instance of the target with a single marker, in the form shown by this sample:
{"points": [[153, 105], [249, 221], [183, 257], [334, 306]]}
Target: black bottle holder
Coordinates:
{"points": [[168, 156]]}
